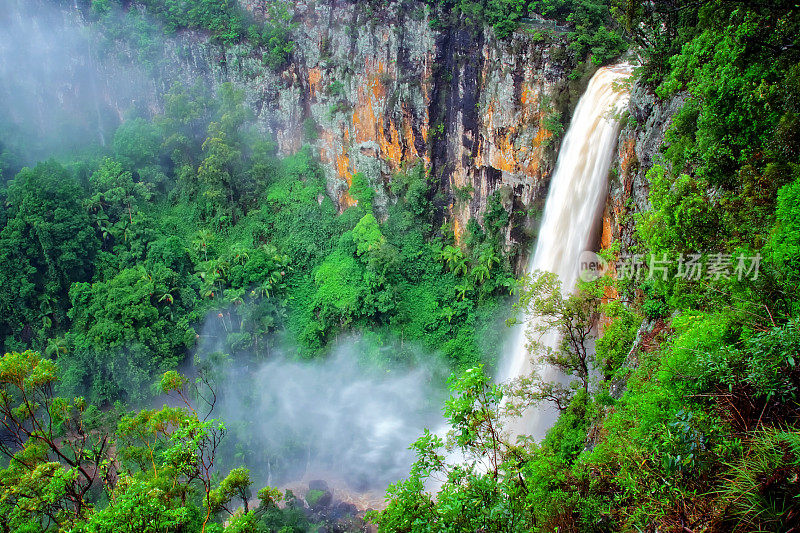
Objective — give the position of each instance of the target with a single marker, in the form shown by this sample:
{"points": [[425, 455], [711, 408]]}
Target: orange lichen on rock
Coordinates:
{"points": [[408, 135], [343, 161], [502, 156], [627, 156], [314, 80], [457, 231], [542, 134], [607, 234], [532, 155], [500, 148], [369, 125], [391, 148], [524, 97], [343, 167], [345, 201], [343, 170], [364, 121], [610, 292], [613, 213], [378, 90]]}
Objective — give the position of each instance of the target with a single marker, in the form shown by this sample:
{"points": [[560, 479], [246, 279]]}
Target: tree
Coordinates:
{"points": [[124, 332], [479, 475], [235, 485], [480, 273], [217, 171], [56, 455], [187, 112], [489, 257], [367, 235], [115, 194], [573, 319], [658, 28], [47, 244], [452, 255], [339, 289], [137, 143], [155, 471]]}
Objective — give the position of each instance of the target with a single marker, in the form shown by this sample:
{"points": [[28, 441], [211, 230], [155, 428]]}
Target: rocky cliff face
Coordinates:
{"points": [[640, 140], [370, 90], [639, 144], [492, 123]]}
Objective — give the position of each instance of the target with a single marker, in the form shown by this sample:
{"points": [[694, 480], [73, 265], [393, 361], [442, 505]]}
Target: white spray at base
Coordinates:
{"points": [[578, 190]]}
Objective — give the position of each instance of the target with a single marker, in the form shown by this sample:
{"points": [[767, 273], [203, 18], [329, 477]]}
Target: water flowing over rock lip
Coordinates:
{"points": [[574, 204]]}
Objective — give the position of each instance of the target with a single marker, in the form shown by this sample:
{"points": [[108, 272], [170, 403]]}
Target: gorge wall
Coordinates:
{"points": [[371, 90], [638, 148]]}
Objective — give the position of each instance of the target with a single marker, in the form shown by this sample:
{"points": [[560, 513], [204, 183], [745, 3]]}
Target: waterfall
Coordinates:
{"points": [[577, 192]]}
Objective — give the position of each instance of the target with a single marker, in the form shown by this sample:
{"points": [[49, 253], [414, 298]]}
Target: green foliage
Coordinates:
{"points": [[361, 191], [767, 362], [685, 421], [9, 162], [235, 485], [313, 496], [46, 244], [784, 244], [670, 432], [726, 162], [553, 123], [573, 317], [115, 197], [760, 489], [226, 21], [123, 333], [336, 88], [613, 347], [468, 499], [137, 143], [504, 15], [367, 235], [77, 472], [339, 292], [682, 216], [275, 36], [567, 438], [589, 25], [138, 506], [223, 18]]}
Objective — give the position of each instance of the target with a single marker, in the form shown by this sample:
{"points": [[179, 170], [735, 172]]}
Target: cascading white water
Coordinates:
{"points": [[577, 192]]}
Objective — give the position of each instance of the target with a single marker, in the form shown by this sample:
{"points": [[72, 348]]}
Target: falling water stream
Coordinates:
{"points": [[577, 192]]}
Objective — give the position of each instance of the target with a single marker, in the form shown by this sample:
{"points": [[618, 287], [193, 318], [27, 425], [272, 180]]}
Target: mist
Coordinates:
{"points": [[348, 417], [64, 85]]}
